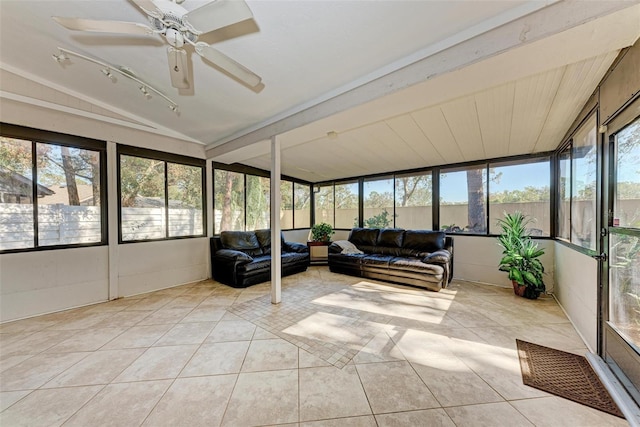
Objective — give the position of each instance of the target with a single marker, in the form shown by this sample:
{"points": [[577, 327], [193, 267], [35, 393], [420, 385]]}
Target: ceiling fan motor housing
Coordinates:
{"points": [[174, 37], [173, 27]]}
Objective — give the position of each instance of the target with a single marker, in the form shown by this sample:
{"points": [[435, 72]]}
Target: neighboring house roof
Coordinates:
{"points": [[13, 183], [85, 193]]}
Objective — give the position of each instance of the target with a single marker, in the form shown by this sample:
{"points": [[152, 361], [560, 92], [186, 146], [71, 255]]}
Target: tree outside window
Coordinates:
{"points": [[68, 190], [414, 200], [378, 203]]}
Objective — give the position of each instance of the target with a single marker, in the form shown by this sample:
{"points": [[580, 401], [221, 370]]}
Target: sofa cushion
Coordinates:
{"points": [[259, 263], [377, 260], [423, 240], [346, 258], [245, 241], [415, 265], [264, 239], [442, 256], [233, 255], [390, 237], [364, 236], [293, 257]]}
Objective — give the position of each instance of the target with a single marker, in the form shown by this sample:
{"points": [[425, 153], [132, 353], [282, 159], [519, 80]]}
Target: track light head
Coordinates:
{"points": [[145, 92], [60, 57], [110, 76]]}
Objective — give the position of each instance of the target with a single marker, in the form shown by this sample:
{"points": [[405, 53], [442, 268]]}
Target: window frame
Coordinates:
{"points": [[506, 163], [249, 170], [380, 177], [426, 172], [567, 145], [435, 187], [36, 136], [146, 153], [461, 167]]}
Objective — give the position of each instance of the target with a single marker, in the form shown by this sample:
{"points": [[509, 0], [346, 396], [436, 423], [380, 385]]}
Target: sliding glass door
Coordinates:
{"points": [[621, 299]]}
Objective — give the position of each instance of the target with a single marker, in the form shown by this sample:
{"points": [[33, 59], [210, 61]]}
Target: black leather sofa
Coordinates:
{"points": [[413, 257], [243, 258]]}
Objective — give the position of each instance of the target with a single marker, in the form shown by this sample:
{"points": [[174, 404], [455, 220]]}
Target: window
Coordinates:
{"points": [[50, 190], [324, 205], [286, 204], [583, 184], [257, 202], [185, 200], [302, 205], [378, 203], [523, 187], [142, 198], [242, 201], [228, 201], [577, 165], [346, 205], [564, 193], [414, 201], [624, 241], [337, 204], [627, 184], [161, 195], [463, 204]]}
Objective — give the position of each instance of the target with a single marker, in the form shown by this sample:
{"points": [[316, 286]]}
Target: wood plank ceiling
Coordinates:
{"points": [[528, 115]]}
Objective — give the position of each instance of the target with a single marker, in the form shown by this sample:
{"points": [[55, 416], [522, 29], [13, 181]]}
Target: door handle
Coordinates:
{"points": [[600, 257]]}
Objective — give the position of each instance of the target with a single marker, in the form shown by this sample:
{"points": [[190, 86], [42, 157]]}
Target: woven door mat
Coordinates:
{"points": [[564, 374]]}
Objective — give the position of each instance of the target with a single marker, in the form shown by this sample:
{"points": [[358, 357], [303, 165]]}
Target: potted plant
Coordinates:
{"points": [[321, 232], [520, 256]]}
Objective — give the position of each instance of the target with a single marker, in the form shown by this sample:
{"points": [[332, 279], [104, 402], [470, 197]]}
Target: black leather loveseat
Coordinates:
{"points": [[414, 257], [243, 258]]}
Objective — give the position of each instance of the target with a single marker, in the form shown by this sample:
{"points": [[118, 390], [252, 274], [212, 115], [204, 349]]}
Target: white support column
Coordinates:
{"points": [[276, 249], [210, 212], [112, 191]]}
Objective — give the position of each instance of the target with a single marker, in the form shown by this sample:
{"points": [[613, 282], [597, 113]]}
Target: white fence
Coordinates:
{"points": [[64, 224], [149, 223]]}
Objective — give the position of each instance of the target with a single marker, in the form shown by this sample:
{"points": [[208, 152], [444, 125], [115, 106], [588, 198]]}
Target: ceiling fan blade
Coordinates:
{"points": [[148, 7], [80, 24], [232, 67], [218, 14], [178, 68]]}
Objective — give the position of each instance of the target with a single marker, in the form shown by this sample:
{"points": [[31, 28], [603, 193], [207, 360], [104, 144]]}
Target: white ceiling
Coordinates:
{"points": [[500, 103]]}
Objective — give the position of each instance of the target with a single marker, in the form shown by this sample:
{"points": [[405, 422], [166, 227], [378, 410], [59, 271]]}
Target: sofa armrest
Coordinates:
{"points": [[233, 255], [438, 257], [295, 247], [335, 248]]}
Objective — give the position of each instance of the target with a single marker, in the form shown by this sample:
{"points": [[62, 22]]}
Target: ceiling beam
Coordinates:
{"points": [[537, 25]]}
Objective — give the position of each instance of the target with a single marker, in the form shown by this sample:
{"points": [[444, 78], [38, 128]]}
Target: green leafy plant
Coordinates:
{"points": [[520, 255], [321, 232], [382, 220]]}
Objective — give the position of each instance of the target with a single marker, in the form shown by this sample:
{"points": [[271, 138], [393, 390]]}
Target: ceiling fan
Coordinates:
{"points": [[180, 28]]}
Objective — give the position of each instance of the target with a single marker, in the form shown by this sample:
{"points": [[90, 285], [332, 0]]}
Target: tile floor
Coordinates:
{"points": [[338, 351]]}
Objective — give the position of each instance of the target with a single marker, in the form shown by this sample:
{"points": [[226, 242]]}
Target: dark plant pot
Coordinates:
{"points": [[518, 289], [524, 291]]}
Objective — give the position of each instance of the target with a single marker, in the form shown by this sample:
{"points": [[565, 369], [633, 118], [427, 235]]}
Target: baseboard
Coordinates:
{"points": [[617, 391]]}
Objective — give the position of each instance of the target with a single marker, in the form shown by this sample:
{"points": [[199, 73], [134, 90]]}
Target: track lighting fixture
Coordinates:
{"points": [[59, 58], [111, 72], [145, 92], [107, 73]]}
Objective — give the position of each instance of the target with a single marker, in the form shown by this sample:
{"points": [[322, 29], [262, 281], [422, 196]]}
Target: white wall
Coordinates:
{"points": [[577, 291], [476, 259], [297, 236], [149, 266], [41, 282], [303, 235]]}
